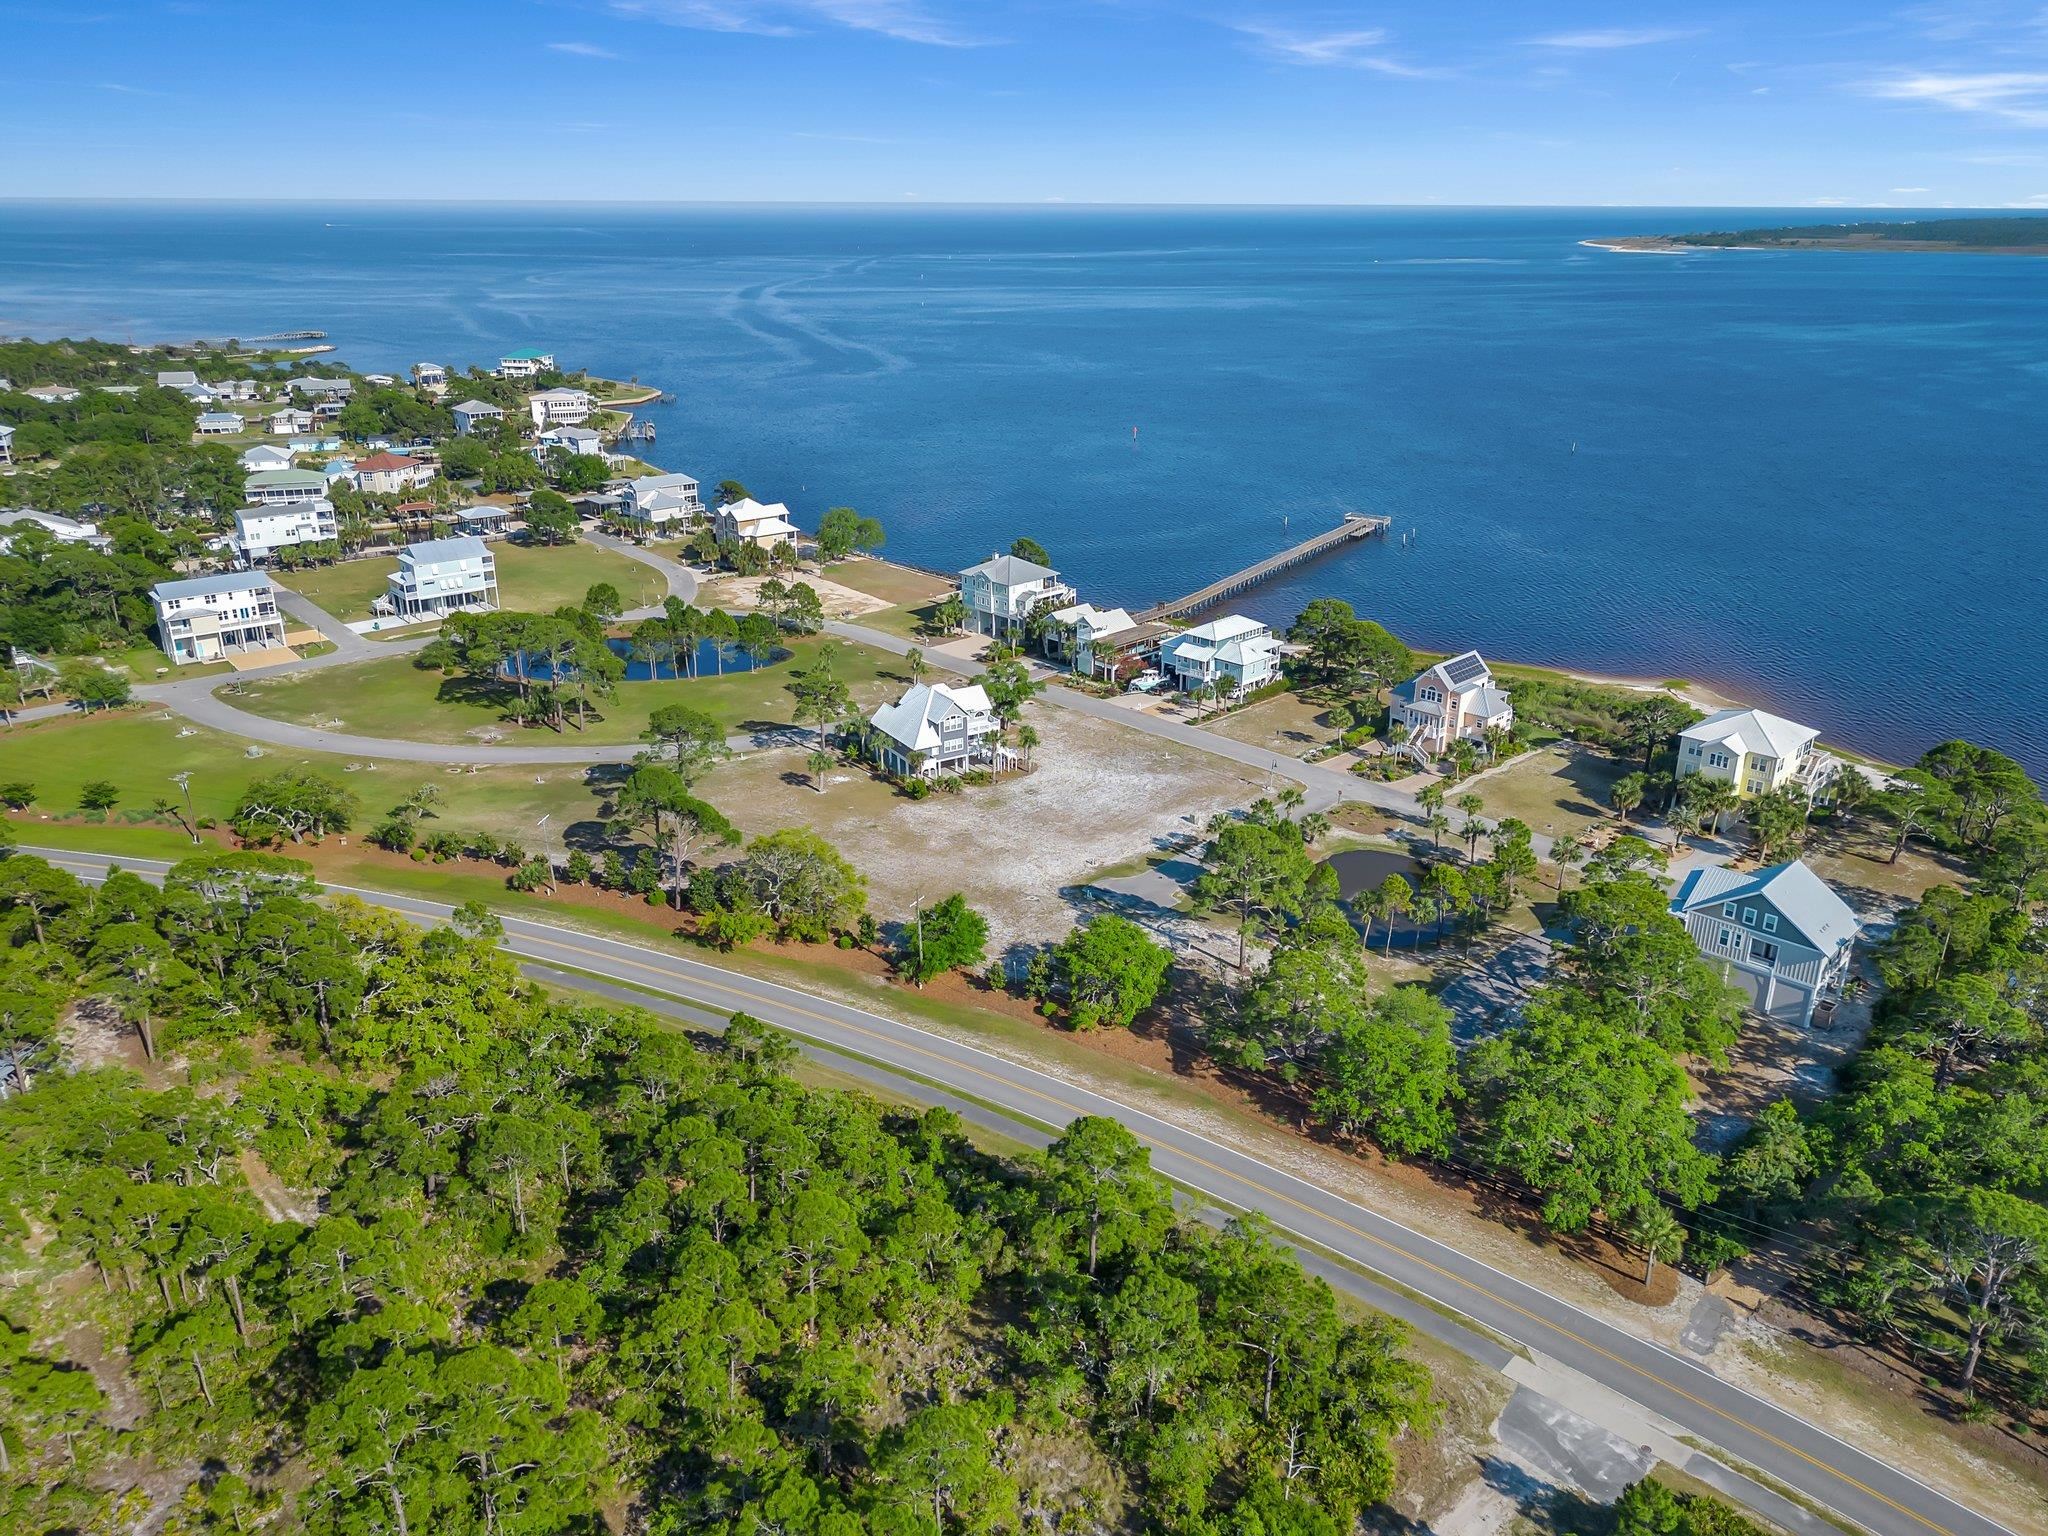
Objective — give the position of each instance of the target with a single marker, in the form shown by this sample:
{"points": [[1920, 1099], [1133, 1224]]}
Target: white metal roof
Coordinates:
{"points": [[1752, 730]]}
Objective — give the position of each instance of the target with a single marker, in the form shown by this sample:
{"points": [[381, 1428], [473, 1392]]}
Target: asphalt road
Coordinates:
{"points": [[1797, 1454]]}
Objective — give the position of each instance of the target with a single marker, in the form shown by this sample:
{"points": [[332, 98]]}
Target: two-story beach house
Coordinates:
{"points": [[261, 531], [441, 576], [558, 407], [1002, 593], [213, 618], [660, 503], [322, 390], [1234, 653], [218, 423], [1079, 629], [1781, 934], [524, 365], [1756, 753], [266, 456], [287, 420], [747, 521], [52, 394], [235, 389], [1455, 700], [429, 376], [390, 473], [472, 414], [275, 487], [176, 378], [6, 443], [570, 440], [938, 728]]}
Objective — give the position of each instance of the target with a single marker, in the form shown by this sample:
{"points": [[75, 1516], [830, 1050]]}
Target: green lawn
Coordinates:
{"points": [[532, 579], [138, 752], [393, 698]]}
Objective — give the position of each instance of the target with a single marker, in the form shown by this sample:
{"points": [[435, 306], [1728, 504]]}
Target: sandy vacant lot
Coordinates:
{"points": [[1096, 796], [743, 594]]}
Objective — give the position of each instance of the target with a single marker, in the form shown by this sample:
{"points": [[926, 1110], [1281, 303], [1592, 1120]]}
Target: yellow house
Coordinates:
{"points": [[1756, 753]]}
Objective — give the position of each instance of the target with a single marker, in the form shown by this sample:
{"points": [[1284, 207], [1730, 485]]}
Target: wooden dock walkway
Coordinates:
{"points": [[1356, 525]]}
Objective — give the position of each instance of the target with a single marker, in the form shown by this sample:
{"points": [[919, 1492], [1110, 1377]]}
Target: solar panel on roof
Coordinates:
{"points": [[1463, 669]]}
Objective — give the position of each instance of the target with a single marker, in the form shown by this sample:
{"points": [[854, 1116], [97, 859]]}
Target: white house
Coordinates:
{"points": [[234, 389], [6, 443], [274, 487], [1455, 700], [524, 365], [441, 576], [386, 474], [1001, 593], [1781, 934], [266, 456], [747, 521], [429, 376], [52, 394], [1756, 753], [572, 440], [1236, 653], [1079, 628], [471, 414], [179, 378], [218, 423], [261, 531], [199, 394], [213, 617], [938, 728], [288, 420], [553, 407], [656, 501], [65, 530]]}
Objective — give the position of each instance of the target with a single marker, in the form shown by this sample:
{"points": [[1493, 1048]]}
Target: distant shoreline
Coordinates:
{"points": [[1681, 245]]}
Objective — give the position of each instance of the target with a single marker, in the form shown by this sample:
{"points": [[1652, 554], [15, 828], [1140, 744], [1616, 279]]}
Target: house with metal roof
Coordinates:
{"points": [[1756, 753], [218, 618], [218, 423], [314, 387], [1234, 654], [261, 531], [287, 420], [52, 394], [747, 521], [1455, 700], [437, 577], [1002, 593], [524, 365], [572, 440], [266, 456], [429, 376], [938, 728], [552, 407], [277, 486], [65, 530], [1781, 934], [177, 378], [471, 414]]}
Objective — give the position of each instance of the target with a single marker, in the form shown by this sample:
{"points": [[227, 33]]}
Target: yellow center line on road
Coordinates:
{"points": [[1286, 1199]]}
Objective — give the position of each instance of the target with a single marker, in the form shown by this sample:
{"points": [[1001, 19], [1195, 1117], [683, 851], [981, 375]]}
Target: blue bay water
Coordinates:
{"points": [[1814, 480]]}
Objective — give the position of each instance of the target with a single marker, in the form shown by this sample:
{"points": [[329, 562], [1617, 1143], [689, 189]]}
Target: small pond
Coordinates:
{"points": [[710, 661], [1366, 869]]}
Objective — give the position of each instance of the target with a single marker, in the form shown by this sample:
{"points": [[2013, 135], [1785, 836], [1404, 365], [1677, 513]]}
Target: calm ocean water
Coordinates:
{"points": [[1815, 480]]}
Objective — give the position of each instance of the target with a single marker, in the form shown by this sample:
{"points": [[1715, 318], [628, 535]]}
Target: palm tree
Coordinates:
{"points": [[1626, 794], [1658, 1233], [914, 660], [1565, 852], [1438, 824], [1027, 738], [1395, 898]]}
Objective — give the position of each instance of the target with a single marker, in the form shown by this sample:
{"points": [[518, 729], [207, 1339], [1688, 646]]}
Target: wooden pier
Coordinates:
{"points": [[1356, 525]]}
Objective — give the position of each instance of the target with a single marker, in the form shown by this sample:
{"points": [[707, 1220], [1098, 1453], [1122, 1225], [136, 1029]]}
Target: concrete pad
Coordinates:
{"points": [[269, 656], [1569, 1450], [1711, 1317]]}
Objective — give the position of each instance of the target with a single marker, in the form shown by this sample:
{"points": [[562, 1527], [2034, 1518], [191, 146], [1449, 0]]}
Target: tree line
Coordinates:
{"points": [[422, 1249]]}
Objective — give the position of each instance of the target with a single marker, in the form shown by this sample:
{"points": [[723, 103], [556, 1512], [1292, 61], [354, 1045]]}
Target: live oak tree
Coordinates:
{"points": [[1108, 971], [946, 936]]}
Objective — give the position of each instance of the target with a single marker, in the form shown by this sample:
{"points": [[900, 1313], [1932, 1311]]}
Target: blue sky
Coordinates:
{"points": [[1800, 102]]}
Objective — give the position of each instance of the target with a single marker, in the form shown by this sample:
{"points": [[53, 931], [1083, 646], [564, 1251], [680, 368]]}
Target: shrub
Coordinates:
{"points": [[397, 833], [18, 796]]}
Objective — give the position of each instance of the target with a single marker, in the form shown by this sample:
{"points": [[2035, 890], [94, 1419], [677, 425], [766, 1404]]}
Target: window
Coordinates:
{"points": [[1717, 759], [1728, 910], [1727, 938], [1749, 917], [1762, 952], [1770, 922]]}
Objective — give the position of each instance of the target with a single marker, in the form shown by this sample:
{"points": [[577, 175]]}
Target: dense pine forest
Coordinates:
{"points": [[387, 1240]]}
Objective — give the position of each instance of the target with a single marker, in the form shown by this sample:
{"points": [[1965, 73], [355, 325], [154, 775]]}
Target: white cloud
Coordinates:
{"points": [[1356, 48], [582, 50], [904, 20], [2015, 96], [1599, 38]]}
